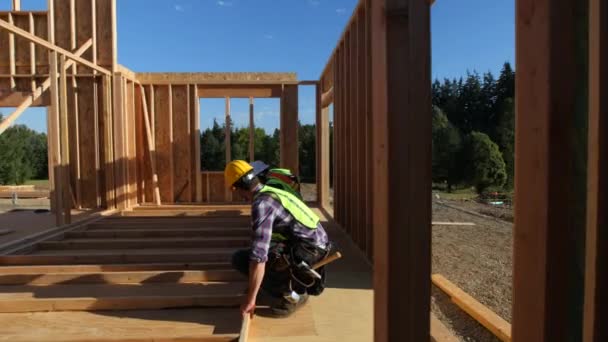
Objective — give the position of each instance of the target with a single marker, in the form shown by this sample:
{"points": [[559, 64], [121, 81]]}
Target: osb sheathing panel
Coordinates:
{"points": [[163, 132], [86, 123], [181, 144]]}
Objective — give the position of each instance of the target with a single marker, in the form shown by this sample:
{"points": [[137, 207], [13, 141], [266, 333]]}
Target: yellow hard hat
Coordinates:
{"points": [[235, 170]]}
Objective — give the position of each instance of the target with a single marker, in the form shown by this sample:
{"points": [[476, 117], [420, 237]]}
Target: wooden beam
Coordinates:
{"points": [[226, 78], [246, 323], [65, 145], [151, 148], [401, 168], [197, 145], [55, 135], [251, 132], [11, 52], [44, 43], [109, 160], [550, 187], [228, 145], [38, 93], [32, 51], [486, 317], [322, 150], [242, 91], [596, 274], [16, 5], [289, 129]]}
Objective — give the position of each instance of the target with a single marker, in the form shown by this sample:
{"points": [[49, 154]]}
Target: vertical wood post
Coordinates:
{"points": [[401, 168], [322, 149], [66, 191], [289, 129], [596, 281], [550, 183], [16, 5], [251, 132]]}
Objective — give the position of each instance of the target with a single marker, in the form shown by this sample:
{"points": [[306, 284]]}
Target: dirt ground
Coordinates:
{"points": [[478, 259]]}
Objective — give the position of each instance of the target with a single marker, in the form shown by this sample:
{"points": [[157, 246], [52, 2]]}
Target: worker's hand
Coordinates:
{"points": [[248, 307]]}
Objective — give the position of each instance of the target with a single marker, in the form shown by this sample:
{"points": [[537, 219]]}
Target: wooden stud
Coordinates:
{"points": [[228, 145], [94, 31], [364, 203], [16, 5], [244, 334], [289, 129], [197, 144], [11, 52], [55, 135], [348, 120], [64, 143], [119, 142], [550, 187], [401, 149], [73, 35], [109, 155], [368, 134], [338, 136], [251, 132], [50, 46], [596, 274], [32, 51], [354, 119]]}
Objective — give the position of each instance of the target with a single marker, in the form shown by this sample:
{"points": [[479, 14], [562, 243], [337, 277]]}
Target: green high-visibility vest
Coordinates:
{"points": [[300, 211]]}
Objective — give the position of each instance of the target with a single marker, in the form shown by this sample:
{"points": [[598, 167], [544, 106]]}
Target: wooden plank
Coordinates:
{"points": [[22, 52], [246, 323], [42, 60], [251, 132], [355, 194], [337, 137], [16, 5], [486, 317], [140, 137], [164, 141], [64, 143], [50, 46], [4, 54], [197, 193], [130, 277], [119, 138], [132, 145], [243, 91], [453, 224], [126, 232], [550, 189], [368, 134], [223, 78], [72, 32], [137, 243], [347, 123], [401, 149], [364, 203], [596, 273], [108, 142], [151, 149], [228, 145], [327, 98], [289, 129], [439, 332], [182, 143], [11, 52], [111, 268], [32, 27]]}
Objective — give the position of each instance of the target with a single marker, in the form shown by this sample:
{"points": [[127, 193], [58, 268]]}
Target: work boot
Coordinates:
{"points": [[285, 308]]}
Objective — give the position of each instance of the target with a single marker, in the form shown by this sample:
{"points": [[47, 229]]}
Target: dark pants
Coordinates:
{"points": [[278, 279]]}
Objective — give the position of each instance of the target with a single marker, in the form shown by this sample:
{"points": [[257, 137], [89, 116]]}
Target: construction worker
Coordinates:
{"points": [[287, 239]]}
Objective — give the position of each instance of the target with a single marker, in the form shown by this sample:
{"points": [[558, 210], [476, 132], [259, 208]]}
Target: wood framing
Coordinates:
{"points": [[596, 280], [289, 128], [228, 78], [322, 150], [240, 91], [251, 131], [401, 169], [550, 187]]}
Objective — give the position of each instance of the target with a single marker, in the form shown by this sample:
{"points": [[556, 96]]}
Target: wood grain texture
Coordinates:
{"points": [[164, 141], [106, 23], [401, 150], [182, 143], [550, 146], [86, 132], [84, 28], [289, 129], [596, 280]]}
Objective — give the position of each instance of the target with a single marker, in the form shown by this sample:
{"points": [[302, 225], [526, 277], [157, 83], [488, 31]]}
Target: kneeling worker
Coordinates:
{"points": [[287, 239]]}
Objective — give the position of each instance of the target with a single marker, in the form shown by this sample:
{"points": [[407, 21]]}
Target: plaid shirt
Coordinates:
{"points": [[269, 216]]}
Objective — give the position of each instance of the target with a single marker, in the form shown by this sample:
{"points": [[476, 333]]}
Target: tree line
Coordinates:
{"points": [[23, 155], [474, 131]]}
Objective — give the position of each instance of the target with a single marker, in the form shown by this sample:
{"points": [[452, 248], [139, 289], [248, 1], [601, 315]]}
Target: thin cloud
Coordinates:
{"points": [[268, 36], [314, 2], [224, 3], [341, 11], [179, 8]]}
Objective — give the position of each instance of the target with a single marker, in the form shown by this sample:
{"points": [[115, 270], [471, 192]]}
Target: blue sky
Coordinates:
{"points": [[284, 35]]}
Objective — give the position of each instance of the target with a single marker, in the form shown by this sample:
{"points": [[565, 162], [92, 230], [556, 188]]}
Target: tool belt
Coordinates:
{"points": [[296, 260]]}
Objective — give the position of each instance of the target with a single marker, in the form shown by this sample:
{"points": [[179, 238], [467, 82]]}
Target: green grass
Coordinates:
{"points": [[43, 183], [460, 194]]}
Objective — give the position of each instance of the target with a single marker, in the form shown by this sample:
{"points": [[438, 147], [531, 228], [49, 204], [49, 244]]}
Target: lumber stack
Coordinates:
{"points": [[122, 266]]}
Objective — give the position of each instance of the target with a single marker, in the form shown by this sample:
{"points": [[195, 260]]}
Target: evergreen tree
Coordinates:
{"points": [[485, 166], [447, 145]]}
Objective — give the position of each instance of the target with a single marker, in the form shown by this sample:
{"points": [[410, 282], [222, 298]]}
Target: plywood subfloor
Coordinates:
{"points": [[136, 325]]}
